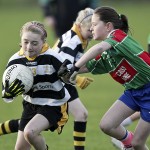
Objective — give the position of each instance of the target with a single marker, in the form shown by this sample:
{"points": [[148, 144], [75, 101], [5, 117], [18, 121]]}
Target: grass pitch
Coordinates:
{"points": [[97, 98]]}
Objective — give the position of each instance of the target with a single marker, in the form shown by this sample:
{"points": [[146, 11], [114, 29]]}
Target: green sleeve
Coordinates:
{"points": [[96, 66]]}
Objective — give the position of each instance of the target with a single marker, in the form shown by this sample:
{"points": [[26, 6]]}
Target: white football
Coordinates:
{"points": [[21, 72]]}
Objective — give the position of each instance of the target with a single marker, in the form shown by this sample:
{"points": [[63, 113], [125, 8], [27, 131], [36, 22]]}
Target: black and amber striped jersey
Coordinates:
{"points": [[71, 45], [48, 89]]}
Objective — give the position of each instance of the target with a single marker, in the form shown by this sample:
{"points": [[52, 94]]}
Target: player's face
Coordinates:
{"points": [[99, 28], [86, 32], [32, 44]]}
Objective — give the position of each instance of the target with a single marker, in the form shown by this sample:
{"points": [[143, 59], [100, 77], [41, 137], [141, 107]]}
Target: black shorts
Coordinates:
{"points": [[56, 115], [72, 91]]}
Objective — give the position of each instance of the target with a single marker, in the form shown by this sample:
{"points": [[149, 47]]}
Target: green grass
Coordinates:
{"points": [[98, 97]]}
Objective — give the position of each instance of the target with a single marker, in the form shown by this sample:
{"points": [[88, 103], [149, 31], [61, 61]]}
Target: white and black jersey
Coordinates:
{"points": [[71, 45], [47, 89]]}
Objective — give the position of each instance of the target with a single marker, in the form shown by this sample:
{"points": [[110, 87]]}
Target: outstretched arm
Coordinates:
{"points": [[92, 53]]}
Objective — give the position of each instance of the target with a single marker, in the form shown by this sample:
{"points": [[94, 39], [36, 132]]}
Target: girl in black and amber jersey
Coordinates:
{"points": [[45, 105]]}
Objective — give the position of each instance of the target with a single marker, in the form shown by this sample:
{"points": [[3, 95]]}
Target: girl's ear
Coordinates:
{"points": [[109, 26]]}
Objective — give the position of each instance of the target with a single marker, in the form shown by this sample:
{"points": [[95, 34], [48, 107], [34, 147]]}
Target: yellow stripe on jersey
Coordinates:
{"points": [[64, 117], [79, 134], [6, 125], [79, 143], [75, 28], [1, 131]]}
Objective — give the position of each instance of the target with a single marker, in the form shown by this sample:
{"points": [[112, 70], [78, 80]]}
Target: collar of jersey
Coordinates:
{"points": [[44, 49], [76, 30]]}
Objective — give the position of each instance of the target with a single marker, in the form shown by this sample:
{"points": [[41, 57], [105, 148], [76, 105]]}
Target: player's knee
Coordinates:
{"points": [[81, 116], [29, 134], [104, 126], [85, 114]]}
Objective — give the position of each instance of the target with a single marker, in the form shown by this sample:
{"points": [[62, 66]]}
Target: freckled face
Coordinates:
{"points": [[31, 44], [99, 28]]}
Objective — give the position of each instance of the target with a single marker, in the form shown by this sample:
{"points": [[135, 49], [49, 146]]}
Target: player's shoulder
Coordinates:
{"points": [[15, 56], [52, 53], [70, 39]]}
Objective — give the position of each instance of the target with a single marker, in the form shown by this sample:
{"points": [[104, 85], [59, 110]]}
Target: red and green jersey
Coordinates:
{"points": [[126, 61]]}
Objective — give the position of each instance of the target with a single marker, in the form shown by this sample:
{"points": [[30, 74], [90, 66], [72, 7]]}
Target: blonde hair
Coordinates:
{"points": [[35, 27], [84, 16]]}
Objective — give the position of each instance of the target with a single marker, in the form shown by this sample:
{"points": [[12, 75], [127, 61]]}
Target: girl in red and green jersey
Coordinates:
{"points": [[129, 68], [125, 60]]}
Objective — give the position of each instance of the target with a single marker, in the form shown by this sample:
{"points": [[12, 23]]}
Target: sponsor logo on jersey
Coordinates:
{"points": [[31, 63], [43, 87], [124, 72]]}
